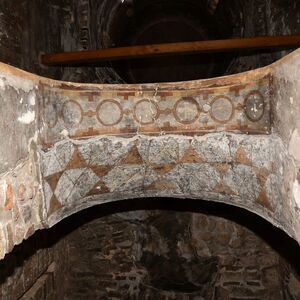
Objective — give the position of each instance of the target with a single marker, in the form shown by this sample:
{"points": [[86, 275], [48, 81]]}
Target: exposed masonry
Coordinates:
{"points": [[202, 257], [66, 147]]}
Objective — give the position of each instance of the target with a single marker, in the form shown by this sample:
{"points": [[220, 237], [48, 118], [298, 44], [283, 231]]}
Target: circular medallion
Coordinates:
{"points": [[187, 110], [146, 112], [72, 113], [254, 106], [109, 112], [222, 109]]}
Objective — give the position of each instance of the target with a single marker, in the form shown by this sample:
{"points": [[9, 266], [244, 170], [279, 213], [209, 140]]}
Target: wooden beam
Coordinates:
{"points": [[210, 46]]}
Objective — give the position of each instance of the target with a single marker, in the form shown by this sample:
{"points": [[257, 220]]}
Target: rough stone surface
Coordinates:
{"points": [[154, 254], [174, 255], [59, 156], [35, 270], [62, 167], [163, 166]]}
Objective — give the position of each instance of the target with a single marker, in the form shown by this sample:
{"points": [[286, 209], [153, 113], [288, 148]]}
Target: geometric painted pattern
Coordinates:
{"points": [[111, 166], [71, 146], [154, 110]]}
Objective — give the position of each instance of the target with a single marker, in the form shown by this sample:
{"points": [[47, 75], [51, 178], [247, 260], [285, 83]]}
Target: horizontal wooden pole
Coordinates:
{"points": [[210, 46]]}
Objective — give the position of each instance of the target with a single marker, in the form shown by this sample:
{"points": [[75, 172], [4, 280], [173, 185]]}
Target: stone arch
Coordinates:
{"points": [[59, 158], [229, 226]]}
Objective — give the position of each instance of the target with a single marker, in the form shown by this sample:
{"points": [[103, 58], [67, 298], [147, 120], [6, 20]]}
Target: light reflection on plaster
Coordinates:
{"points": [[31, 99], [296, 192], [27, 117], [294, 146]]}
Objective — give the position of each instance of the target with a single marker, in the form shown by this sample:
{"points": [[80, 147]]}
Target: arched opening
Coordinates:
{"points": [[69, 146], [159, 248]]}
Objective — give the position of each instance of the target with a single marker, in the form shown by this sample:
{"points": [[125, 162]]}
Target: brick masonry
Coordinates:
{"points": [[153, 254], [174, 255], [35, 269]]}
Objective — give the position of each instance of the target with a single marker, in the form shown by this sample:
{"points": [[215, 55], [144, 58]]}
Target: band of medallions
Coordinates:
{"points": [[88, 114]]}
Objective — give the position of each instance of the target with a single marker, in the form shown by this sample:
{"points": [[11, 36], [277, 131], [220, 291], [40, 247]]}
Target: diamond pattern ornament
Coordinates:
{"points": [[262, 199], [57, 159], [75, 184], [223, 188], [55, 205], [101, 171], [243, 181], [133, 157], [53, 180], [242, 157], [129, 178], [163, 169], [162, 151], [213, 149], [100, 187], [108, 152], [162, 184], [51, 203], [77, 160], [194, 178], [191, 156]]}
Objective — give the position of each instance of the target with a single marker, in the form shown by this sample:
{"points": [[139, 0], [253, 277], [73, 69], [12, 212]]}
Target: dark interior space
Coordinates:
{"points": [[162, 248], [154, 22], [149, 248], [30, 28]]}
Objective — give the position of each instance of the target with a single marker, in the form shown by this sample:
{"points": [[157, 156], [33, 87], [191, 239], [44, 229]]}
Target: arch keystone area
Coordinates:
{"points": [[67, 146]]}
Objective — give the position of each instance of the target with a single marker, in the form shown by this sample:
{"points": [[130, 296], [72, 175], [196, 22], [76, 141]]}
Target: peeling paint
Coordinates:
{"points": [[2, 84], [27, 117], [249, 171], [17, 82], [296, 192], [294, 146], [31, 99], [64, 133]]}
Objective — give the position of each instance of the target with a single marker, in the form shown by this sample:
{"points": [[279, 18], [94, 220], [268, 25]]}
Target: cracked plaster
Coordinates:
{"points": [[47, 176]]}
